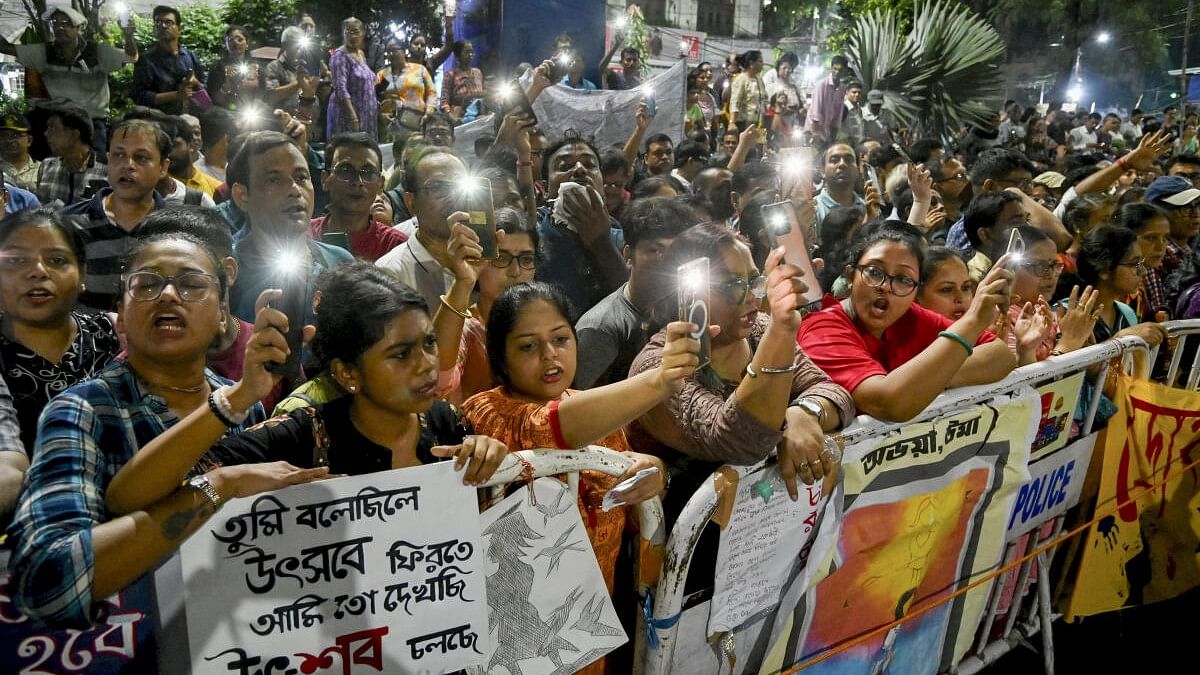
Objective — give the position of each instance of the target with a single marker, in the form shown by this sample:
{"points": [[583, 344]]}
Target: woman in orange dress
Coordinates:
{"points": [[531, 346]]}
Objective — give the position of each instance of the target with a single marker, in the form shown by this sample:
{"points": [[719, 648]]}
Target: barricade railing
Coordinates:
{"points": [[1182, 334], [681, 543]]}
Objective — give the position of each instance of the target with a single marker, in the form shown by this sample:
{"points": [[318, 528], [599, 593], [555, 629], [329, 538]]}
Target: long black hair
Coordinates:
{"points": [[506, 310], [358, 301]]}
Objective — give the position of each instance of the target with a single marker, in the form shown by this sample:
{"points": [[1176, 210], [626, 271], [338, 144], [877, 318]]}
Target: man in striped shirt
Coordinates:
{"points": [[137, 160]]}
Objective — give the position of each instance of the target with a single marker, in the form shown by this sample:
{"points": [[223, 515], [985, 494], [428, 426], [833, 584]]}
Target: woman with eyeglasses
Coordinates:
{"points": [[46, 346], [1035, 331], [759, 390], [517, 244], [353, 105], [70, 553], [1111, 260], [891, 354]]}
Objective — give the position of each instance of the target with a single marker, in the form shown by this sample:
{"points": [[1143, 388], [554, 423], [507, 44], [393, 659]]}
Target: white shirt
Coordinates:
{"points": [[1131, 131], [687, 184], [419, 270], [1080, 138]]}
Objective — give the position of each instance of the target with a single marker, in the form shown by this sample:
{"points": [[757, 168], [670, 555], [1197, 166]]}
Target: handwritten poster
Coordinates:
{"points": [[378, 573], [767, 533], [550, 609]]}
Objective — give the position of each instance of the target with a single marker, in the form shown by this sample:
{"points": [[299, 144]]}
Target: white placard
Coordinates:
{"points": [[766, 535], [376, 573], [550, 609]]}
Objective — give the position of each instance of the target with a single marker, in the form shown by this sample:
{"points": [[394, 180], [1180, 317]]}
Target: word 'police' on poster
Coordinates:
{"points": [[377, 573]]}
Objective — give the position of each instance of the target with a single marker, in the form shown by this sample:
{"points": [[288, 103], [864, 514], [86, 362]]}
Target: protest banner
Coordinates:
{"points": [[768, 535], [550, 609], [1147, 550], [917, 515], [1059, 399], [119, 644], [376, 573]]}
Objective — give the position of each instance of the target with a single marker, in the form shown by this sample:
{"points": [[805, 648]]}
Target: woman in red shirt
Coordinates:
{"points": [[892, 355]]}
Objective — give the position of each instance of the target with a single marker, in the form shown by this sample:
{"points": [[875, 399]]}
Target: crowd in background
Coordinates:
{"points": [[141, 279]]}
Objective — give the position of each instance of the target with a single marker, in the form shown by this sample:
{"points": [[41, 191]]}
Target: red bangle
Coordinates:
{"points": [[1121, 163]]}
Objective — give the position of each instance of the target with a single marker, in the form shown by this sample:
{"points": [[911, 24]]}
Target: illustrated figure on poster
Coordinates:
{"points": [[509, 587], [559, 548]]}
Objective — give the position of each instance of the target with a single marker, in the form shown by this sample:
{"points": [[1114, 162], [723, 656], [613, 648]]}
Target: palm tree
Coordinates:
{"points": [[936, 78]]}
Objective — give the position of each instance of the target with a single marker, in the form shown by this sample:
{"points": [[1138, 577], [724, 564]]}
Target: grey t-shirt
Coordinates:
{"points": [[611, 335]]}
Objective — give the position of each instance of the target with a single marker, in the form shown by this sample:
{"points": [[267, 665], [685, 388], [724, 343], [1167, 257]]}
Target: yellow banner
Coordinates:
{"points": [[1147, 550]]}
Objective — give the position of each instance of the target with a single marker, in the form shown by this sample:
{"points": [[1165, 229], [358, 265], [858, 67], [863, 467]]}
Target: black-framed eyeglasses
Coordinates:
{"points": [[958, 176], [525, 261], [191, 286], [898, 284], [1139, 265], [165, 23], [1042, 268], [736, 289], [348, 173]]}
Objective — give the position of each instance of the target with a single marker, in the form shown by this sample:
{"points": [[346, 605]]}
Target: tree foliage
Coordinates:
{"points": [[935, 77], [415, 16], [263, 19]]}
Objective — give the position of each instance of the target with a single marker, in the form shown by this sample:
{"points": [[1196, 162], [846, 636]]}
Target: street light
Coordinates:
{"points": [[1075, 93], [1103, 37]]}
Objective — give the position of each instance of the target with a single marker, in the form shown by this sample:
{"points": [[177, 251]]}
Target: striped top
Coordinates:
{"points": [[107, 245]]}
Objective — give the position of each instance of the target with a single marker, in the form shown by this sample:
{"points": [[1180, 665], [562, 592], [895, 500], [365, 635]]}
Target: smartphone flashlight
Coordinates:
{"points": [[243, 70], [305, 42], [122, 11], [1016, 246], [249, 115], [563, 59], [505, 91], [290, 276], [693, 303]]}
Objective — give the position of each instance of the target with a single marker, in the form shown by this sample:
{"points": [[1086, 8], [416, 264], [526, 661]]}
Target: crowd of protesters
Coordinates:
{"points": [[139, 274]]}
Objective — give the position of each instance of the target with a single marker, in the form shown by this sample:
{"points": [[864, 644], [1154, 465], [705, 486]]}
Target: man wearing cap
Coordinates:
{"points": [[20, 169], [76, 69], [878, 123], [1179, 197], [73, 170], [1047, 188]]}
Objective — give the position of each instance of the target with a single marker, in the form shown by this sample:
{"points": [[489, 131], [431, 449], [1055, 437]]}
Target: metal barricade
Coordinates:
{"points": [[668, 598], [1182, 334]]}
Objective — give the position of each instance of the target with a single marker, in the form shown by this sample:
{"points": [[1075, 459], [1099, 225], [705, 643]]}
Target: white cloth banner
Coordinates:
{"points": [[376, 573]]}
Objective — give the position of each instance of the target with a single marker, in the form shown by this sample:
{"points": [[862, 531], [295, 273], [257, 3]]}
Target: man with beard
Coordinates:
{"points": [[273, 186], [352, 181], [137, 161], [580, 245], [715, 184]]}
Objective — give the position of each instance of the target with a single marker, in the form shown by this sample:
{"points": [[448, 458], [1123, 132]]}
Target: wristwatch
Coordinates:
{"points": [[812, 407], [205, 487]]}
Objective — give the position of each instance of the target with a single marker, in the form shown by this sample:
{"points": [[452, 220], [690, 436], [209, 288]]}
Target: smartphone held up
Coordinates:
{"points": [[693, 280], [291, 275], [782, 223], [477, 203]]}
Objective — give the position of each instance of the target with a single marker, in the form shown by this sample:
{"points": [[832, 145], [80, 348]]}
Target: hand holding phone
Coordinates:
{"points": [[782, 223], [477, 203], [693, 281], [291, 273]]}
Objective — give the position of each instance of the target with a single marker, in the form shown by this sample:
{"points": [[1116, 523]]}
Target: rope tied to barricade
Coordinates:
{"points": [[653, 625], [994, 574]]}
